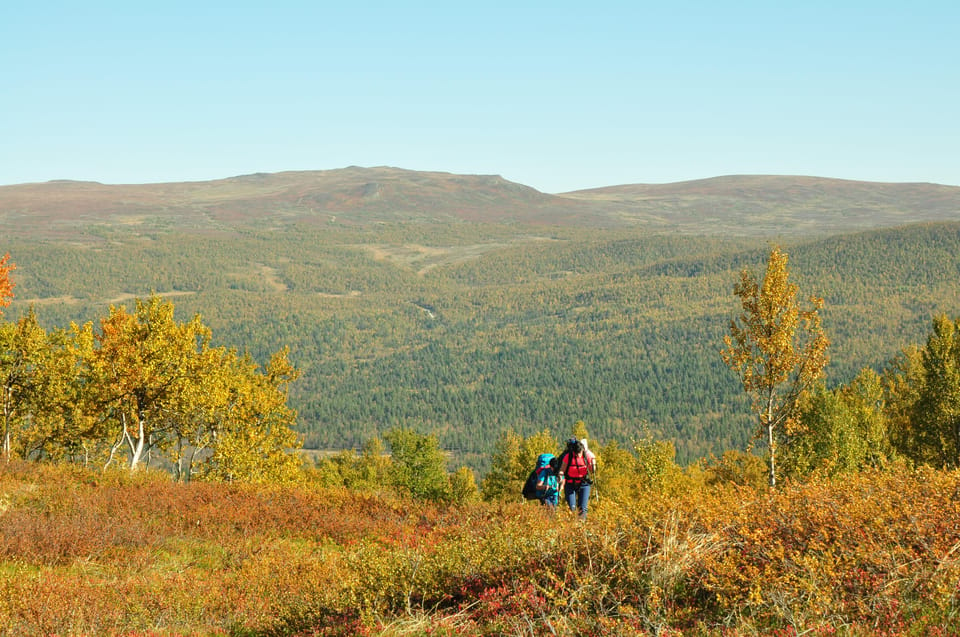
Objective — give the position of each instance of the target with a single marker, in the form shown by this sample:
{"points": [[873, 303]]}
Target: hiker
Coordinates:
{"points": [[543, 483], [548, 483], [576, 473]]}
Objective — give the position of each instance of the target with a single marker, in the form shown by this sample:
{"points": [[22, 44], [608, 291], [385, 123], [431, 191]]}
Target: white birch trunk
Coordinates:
{"points": [[138, 448]]}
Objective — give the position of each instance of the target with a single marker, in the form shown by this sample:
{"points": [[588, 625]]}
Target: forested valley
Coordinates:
{"points": [[467, 330]]}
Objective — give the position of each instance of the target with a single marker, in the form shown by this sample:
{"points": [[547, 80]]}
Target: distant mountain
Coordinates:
{"points": [[760, 204], [733, 205]]}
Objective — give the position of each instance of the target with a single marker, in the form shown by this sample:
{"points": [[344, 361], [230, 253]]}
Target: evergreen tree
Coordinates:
{"points": [[507, 469]]}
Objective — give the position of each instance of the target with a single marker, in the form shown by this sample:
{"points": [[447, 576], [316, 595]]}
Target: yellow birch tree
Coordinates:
{"points": [[252, 436], [140, 368], [777, 349], [22, 348]]}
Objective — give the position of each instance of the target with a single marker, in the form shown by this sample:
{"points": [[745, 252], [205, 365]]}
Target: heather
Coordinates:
{"points": [[85, 552]]}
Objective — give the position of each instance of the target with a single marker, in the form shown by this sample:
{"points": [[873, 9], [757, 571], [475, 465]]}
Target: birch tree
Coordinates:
{"points": [[777, 349], [252, 435], [141, 365], [62, 424], [418, 464], [22, 348]]}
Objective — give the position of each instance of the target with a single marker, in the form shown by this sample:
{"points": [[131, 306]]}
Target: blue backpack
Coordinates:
{"points": [[530, 486]]}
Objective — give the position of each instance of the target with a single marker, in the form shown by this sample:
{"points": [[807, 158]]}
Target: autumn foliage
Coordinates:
{"points": [[777, 349], [6, 285], [145, 388], [121, 553], [861, 536]]}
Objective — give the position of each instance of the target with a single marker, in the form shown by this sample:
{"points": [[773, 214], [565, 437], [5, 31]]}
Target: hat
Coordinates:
{"points": [[583, 442]]}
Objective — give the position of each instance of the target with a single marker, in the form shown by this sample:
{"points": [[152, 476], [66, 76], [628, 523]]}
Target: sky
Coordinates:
{"points": [[558, 95]]}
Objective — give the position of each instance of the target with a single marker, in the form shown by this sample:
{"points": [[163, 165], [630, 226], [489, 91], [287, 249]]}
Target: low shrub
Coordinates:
{"points": [[87, 553]]}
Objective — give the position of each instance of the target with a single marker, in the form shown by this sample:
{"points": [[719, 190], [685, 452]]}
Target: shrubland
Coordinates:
{"points": [[89, 552]]}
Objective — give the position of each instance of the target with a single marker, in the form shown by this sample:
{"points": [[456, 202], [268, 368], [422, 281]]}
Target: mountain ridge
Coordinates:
{"points": [[737, 205]]}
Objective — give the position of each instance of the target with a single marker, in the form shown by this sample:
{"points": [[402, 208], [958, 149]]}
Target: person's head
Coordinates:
{"points": [[555, 463], [583, 442], [574, 446]]}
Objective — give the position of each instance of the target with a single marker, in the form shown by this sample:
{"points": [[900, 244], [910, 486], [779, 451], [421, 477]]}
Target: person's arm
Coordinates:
{"points": [[562, 471]]}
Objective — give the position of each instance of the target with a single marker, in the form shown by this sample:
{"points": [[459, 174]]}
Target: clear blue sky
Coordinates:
{"points": [[554, 95]]}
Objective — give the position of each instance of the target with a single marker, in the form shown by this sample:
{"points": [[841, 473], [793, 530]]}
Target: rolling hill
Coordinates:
{"points": [[730, 206]]}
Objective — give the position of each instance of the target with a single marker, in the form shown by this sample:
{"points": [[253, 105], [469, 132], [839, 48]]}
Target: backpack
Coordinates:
{"points": [[530, 486]]}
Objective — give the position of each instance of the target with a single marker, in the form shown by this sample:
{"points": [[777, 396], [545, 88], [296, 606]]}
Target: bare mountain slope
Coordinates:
{"points": [[733, 205], [779, 204]]}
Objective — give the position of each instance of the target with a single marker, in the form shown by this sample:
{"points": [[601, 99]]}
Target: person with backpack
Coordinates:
{"points": [[543, 483], [576, 473], [548, 483]]}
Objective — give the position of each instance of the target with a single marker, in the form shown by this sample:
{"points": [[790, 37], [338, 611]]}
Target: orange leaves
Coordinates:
{"points": [[869, 550], [878, 553], [6, 285]]}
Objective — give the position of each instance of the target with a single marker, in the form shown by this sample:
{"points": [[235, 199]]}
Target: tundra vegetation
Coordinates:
{"points": [[151, 485]]}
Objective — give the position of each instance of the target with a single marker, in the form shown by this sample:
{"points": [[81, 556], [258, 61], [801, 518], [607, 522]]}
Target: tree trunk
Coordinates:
{"points": [[140, 446], [773, 456], [956, 442], [771, 440], [7, 443], [178, 465]]}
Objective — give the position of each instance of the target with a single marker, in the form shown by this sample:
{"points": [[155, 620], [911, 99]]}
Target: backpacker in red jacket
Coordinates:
{"points": [[574, 465]]}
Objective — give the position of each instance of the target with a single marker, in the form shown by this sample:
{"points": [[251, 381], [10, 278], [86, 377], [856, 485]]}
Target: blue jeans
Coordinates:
{"points": [[578, 498]]}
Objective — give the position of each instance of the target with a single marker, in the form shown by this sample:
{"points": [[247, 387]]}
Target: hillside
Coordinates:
{"points": [[729, 206], [349, 195], [779, 205], [496, 314]]}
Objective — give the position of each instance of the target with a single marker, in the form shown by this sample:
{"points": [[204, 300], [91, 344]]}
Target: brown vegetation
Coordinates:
{"points": [[86, 553], [733, 205]]}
